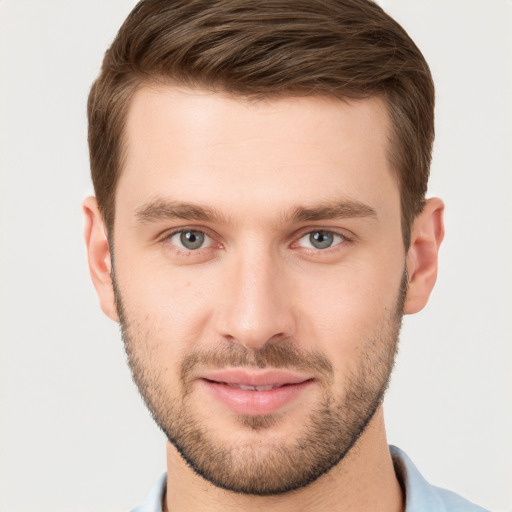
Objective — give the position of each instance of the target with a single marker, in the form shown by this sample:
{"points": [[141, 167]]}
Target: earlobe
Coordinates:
{"points": [[99, 258], [422, 257]]}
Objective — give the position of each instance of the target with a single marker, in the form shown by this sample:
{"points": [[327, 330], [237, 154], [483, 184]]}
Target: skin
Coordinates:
{"points": [[258, 280]]}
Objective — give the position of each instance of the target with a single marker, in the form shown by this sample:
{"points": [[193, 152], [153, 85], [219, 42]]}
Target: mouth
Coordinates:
{"points": [[255, 392], [246, 387]]}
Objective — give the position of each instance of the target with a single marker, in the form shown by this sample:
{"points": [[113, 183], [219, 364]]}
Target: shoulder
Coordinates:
{"points": [[422, 496], [153, 502]]}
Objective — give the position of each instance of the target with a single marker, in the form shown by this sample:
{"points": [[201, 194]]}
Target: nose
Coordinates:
{"points": [[256, 306]]}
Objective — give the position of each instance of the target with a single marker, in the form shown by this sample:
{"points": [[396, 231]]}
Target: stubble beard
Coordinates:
{"points": [[270, 467]]}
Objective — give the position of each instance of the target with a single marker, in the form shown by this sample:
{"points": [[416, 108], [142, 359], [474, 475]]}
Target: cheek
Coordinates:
{"points": [[171, 308], [352, 306]]}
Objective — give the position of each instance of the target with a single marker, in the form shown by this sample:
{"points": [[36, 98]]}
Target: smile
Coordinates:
{"points": [[255, 392], [253, 388]]}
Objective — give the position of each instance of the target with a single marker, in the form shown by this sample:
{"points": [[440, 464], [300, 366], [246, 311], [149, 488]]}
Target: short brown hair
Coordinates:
{"points": [[348, 49]]}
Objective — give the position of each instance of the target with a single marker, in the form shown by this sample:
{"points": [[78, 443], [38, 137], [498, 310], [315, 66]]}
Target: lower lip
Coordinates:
{"points": [[250, 402]]}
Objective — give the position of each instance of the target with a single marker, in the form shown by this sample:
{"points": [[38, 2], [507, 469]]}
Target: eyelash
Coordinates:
{"points": [[344, 239], [335, 234], [183, 250]]}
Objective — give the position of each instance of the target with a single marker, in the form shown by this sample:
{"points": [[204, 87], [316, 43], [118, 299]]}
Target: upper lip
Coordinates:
{"points": [[255, 377]]}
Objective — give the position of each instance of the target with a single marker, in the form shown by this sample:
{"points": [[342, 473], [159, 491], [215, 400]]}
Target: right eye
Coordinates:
{"points": [[190, 239]]}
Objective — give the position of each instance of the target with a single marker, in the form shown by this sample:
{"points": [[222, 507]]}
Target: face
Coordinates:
{"points": [[259, 276]]}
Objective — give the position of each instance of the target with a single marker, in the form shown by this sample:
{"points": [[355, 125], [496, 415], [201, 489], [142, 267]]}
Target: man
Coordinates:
{"points": [[259, 229]]}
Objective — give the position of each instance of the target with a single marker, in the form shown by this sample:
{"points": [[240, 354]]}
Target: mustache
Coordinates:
{"points": [[274, 354]]}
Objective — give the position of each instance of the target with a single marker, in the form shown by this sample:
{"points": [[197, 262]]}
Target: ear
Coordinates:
{"points": [[99, 258], [426, 237]]}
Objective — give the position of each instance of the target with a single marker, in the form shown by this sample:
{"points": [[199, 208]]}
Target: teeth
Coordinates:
{"points": [[252, 388]]}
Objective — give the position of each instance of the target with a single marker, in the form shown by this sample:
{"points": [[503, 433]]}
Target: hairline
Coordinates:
{"points": [[159, 81]]}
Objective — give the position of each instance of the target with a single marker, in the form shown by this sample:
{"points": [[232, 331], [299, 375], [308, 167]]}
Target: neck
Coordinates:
{"points": [[364, 480]]}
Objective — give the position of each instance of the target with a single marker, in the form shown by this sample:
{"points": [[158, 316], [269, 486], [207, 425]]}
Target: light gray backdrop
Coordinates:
{"points": [[74, 434]]}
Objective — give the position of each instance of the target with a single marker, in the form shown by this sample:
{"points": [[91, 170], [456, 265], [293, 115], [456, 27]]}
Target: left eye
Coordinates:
{"points": [[320, 239], [190, 239]]}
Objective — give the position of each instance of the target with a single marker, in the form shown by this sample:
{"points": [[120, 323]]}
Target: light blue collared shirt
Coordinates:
{"points": [[420, 496]]}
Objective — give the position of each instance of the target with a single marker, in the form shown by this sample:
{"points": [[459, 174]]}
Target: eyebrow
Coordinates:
{"points": [[333, 210], [162, 209]]}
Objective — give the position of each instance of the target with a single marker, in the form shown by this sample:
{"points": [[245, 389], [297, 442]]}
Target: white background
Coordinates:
{"points": [[74, 435]]}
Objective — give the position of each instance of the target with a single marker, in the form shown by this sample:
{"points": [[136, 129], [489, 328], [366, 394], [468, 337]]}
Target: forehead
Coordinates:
{"points": [[212, 147]]}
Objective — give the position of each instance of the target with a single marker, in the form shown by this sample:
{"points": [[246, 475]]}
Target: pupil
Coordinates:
{"points": [[192, 239], [321, 239]]}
